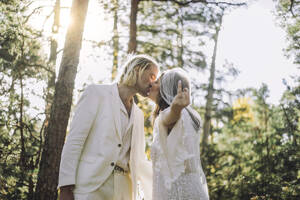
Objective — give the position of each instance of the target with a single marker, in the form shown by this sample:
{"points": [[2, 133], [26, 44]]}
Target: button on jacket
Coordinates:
{"points": [[92, 146]]}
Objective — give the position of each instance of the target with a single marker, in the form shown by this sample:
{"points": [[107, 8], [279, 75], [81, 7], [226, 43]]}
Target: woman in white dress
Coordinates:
{"points": [[175, 154]]}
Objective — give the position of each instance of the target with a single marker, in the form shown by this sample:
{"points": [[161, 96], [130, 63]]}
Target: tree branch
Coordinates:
{"points": [[38, 65], [34, 10], [293, 4], [186, 3]]}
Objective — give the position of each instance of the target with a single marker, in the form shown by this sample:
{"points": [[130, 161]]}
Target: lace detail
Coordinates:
{"points": [[186, 187], [177, 170]]}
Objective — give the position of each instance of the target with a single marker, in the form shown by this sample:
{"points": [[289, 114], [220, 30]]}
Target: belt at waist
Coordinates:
{"points": [[120, 170]]}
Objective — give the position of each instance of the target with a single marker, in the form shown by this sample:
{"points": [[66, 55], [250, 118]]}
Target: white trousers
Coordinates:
{"points": [[117, 187]]}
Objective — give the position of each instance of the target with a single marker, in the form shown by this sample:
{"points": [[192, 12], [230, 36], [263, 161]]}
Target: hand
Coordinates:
{"points": [[66, 192], [181, 100]]}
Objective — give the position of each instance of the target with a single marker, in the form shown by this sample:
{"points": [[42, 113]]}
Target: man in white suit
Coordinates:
{"points": [[104, 154]]}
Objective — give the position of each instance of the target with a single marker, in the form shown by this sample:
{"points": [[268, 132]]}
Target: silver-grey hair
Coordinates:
{"points": [[168, 91]]}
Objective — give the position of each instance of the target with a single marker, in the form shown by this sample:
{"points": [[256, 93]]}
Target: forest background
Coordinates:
{"points": [[50, 50]]}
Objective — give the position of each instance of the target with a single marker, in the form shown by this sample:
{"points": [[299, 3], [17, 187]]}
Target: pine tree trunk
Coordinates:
{"points": [[60, 110], [115, 41], [180, 39], [52, 62], [132, 34], [210, 92]]}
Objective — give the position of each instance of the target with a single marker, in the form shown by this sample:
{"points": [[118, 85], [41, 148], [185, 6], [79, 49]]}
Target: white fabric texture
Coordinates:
{"points": [[116, 187], [91, 148], [126, 133], [177, 170]]}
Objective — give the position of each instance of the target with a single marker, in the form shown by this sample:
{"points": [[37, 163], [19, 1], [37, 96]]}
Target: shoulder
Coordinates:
{"points": [[192, 111], [164, 112], [100, 86], [191, 117], [98, 89]]}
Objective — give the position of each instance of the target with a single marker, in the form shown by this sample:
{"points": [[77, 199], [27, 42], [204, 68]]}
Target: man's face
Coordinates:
{"points": [[154, 91], [146, 79]]}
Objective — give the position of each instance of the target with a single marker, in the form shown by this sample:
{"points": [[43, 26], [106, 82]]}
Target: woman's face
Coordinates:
{"points": [[154, 90]]}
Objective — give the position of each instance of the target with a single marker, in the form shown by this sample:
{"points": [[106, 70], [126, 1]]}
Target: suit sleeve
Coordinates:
{"points": [[84, 117]]}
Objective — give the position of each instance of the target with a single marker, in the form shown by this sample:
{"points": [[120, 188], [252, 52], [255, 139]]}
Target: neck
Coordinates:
{"points": [[126, 93]]}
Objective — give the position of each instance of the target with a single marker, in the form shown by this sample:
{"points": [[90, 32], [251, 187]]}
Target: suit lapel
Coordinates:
{"points": [[135, 133], [134, 120], [115, 106]]}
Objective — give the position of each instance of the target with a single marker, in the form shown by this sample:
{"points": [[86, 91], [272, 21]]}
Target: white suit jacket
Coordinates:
{"points": [[92, 146]]}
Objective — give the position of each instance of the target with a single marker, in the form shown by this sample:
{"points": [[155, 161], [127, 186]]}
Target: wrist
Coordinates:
{"points": [[176, 109]]}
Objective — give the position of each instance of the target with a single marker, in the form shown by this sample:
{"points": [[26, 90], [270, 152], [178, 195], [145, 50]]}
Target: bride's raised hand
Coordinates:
{"points": [[182, 98], [180, 101]]}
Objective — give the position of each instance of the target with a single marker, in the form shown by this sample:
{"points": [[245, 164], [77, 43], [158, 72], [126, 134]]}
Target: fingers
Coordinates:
{"points": [[186, 95], [179, 88], [183, 95], [186, 92]]}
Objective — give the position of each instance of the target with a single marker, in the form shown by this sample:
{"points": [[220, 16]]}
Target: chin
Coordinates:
{"points": [[151, 98], [143, 94]]}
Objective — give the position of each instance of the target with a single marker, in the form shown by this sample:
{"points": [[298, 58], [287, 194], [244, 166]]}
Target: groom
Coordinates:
{"points": [[104, 154]]}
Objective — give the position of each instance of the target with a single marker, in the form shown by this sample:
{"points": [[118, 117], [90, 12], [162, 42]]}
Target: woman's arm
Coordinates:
{"points": [[181, 100]]}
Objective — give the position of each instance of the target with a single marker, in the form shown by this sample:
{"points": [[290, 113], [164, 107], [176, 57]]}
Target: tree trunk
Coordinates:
{"points": [[132, 34], [60, 109], [210, 92], [115, 41], [180, 38], [52, 62]]}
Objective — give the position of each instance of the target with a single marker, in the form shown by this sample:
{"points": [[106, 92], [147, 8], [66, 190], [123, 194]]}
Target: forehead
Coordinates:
{"points": [[152, 69]]}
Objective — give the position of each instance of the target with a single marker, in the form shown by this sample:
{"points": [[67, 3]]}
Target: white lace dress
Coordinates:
{"points": [[177, 170]]}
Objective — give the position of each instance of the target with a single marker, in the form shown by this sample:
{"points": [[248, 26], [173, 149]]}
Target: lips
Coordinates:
{"points": [[148, 92]]}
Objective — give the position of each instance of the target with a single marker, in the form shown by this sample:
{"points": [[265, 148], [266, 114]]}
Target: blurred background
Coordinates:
{"points": [[242, 57]]}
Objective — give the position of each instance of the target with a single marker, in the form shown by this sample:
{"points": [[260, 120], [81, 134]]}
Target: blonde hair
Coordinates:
{"points": [[139, 62]]}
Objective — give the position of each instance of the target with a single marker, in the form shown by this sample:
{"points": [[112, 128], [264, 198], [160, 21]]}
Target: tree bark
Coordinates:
{"points": [[132, 34], [210, 92], [60, 109], [180, 39], [52, 62], [115, 41]]}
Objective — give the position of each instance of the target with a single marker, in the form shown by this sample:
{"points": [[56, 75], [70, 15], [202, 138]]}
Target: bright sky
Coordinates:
{"points": [[249, 39]]}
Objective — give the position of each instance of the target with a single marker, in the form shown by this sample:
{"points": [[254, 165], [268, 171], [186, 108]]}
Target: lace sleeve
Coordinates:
{"points": [[174, 151]]}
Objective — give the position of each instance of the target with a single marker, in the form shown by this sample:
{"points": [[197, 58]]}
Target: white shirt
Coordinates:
{"points": [[126, 132]]}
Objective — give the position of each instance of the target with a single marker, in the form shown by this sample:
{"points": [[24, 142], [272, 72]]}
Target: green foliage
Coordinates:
{"points": [[21, 66], [256, 159], [174, 35], [252, 156], [289, 18]]}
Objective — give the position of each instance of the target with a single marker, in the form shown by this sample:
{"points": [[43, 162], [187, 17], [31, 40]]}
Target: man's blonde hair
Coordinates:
{"points": [[140, 62]]}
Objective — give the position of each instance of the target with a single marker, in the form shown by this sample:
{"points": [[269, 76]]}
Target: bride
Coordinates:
{"points": [[177, 170]]}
